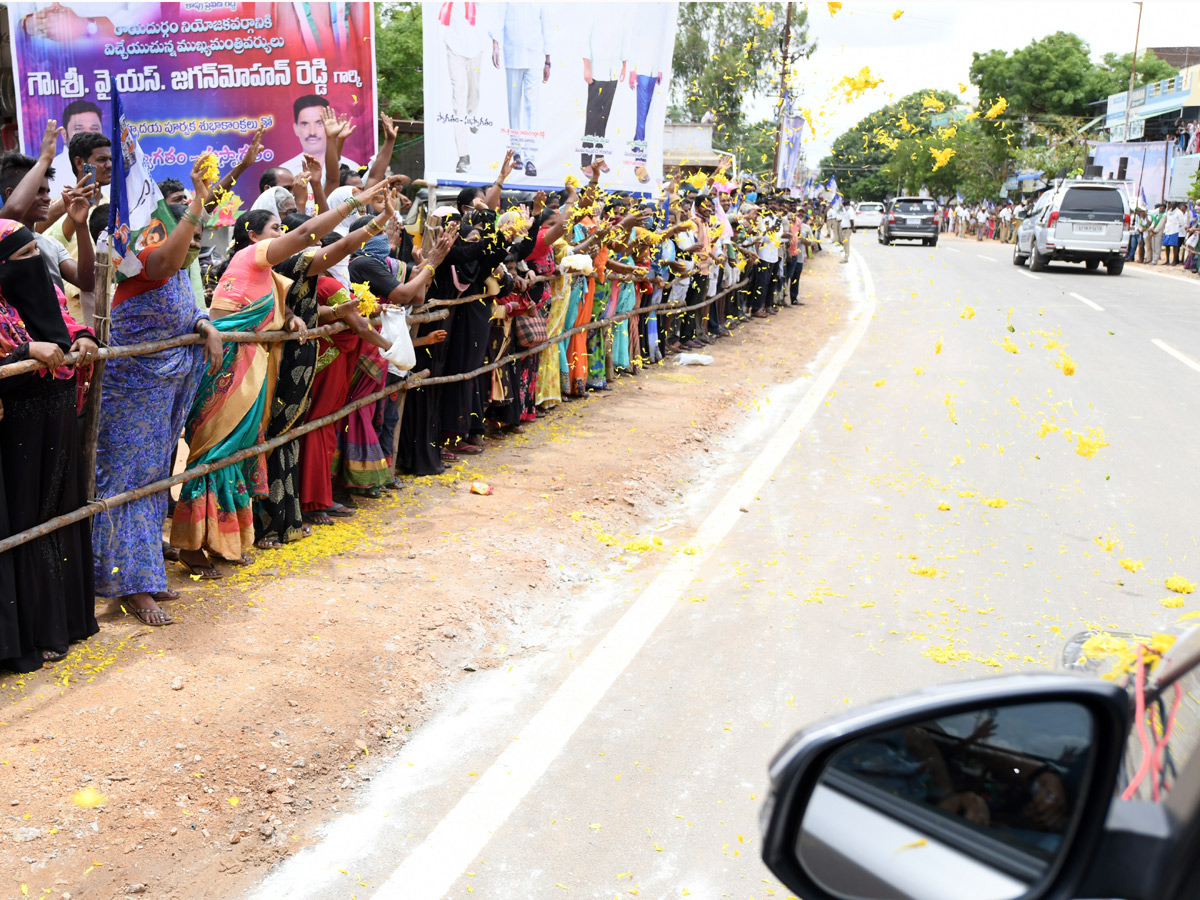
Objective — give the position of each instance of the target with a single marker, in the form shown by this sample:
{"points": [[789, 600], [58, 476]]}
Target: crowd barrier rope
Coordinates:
{"points": [[414, 382]]}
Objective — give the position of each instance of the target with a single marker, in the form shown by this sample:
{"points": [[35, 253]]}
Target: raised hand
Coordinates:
{"points": [[312, 168], [444, 242], [346, 128], [507, 166], [199, 185], [253, 150], [389, 127], [50, 140], [330, 120]]}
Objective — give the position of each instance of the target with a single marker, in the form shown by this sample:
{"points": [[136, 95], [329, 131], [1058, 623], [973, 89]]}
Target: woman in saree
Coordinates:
{"points": [[53, 603], [232, 409], [143, 404], [278, 516], [550, 382]]}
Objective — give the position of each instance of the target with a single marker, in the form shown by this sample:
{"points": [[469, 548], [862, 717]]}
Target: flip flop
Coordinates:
{"points": [[162, 596], [143, 615], [210, 572], [339, 511]]}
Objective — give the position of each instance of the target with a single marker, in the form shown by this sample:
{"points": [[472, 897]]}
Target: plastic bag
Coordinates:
{"points": [[394, 327], [693, 359]]}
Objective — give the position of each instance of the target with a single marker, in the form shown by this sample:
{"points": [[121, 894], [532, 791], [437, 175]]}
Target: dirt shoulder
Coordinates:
{"points": [[214, 748]]}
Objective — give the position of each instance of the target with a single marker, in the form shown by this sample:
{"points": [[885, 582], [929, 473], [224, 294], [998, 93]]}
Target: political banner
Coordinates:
{"points": [[569, 87], [790, 151], [138, 216], [197, 77]]}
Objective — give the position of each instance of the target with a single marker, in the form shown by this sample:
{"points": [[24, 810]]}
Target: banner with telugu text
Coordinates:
{"points": [[566, 85], [197, 76]]}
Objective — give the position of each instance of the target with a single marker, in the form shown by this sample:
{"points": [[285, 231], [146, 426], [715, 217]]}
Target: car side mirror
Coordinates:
{"points": [[992, 790]]}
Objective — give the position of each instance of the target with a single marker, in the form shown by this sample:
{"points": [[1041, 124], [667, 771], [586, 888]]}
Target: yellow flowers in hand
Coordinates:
{"points": [[367, 304], [209, 170]]}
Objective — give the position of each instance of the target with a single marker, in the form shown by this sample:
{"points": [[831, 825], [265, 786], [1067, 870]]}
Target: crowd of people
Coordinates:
{"points": [[324, 244]]}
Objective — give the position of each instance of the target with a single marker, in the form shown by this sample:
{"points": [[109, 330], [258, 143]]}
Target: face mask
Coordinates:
{"points": [[192, 255], [751, 197]]}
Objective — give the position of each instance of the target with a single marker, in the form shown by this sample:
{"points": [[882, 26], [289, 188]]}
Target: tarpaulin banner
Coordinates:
{"points": [[569, 86], [195, 77], [790, 153], [1144, 166]]}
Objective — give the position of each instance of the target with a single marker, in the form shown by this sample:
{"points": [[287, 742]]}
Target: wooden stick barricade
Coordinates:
{"points": [[95, 507]]}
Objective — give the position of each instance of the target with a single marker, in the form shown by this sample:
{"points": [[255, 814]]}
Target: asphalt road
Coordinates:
{"points": [[631, 755]]}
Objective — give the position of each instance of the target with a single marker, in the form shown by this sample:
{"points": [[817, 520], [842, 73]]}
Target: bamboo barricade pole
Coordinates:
{"points": [[91, 412], [97, 506]]}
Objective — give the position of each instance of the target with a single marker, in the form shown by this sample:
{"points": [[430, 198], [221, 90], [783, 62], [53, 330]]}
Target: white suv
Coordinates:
{"points": [[867, 215], [1078, 221]]}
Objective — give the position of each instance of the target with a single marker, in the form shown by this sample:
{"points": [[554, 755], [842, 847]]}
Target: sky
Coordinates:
{"points": [[930, 46]]}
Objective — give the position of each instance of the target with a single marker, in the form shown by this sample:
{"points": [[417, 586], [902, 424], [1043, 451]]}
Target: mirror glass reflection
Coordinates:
{"points": [[974, 806]]}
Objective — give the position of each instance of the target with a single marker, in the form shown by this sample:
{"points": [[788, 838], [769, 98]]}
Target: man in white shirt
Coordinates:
{"points": [[523, 31], [845, 223], [604, 66], [1005, 216], [78, 116], [464, 40], [1173, 233], [309, 125]]}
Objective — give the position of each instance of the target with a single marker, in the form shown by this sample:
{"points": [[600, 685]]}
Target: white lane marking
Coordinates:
{"points": [[1030, 275], [1086, 302], [988, 258], [457, 840], [1182, 357], [953, 249], [1146, 270]]}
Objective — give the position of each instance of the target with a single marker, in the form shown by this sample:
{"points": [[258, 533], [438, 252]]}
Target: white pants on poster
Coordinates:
{"points": [[522, 109], [464, 93]]}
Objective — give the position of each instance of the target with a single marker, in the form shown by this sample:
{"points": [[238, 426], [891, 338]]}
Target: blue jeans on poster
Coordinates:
{"points": [[645, 94]]}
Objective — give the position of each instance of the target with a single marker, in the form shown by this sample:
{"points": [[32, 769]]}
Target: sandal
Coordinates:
{"points": [[155, 618], [339, 511], [345, 500], [52, 656], [163, 596], [468, 449], [318, 518], [170, 553], [209, 571], [448, 456]]}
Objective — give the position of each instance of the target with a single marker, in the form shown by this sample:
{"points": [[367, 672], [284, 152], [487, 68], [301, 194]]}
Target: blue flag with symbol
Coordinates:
{"points": [[138, 216]]}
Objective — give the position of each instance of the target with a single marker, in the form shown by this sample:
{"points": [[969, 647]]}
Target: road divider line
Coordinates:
{"points": [[458, 839], [1030, 275], [988, 258], [1086, 302], [1182, 357]]}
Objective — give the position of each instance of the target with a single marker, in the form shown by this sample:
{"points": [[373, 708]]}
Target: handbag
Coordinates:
{"points": [[394, 328], [531, 328]]}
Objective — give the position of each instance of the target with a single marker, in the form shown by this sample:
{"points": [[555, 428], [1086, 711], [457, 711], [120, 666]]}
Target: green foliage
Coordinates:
{"points": [[1194, 188], [1056, 76], [399, 79], [754, 145], [860, 157], [726, 51]]}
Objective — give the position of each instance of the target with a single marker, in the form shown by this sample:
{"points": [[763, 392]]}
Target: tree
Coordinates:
{"points": [[1055, 76], [398, 47], [860, 157], [725, 52], [754, 145], [1112, 75]]}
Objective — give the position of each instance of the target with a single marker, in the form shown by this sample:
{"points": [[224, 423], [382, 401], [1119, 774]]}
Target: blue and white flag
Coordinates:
{"points": [[137, 215], [1142, 199], [958, 196]]}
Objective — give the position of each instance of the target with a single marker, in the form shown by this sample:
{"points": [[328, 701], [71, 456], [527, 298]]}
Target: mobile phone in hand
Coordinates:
{"points": [[89, 179]]}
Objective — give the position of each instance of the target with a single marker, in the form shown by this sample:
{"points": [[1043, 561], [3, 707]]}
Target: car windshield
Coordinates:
{"points": [[1092, 200], [916, 207]]}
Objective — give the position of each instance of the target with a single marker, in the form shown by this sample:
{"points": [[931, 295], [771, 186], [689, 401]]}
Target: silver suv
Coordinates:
{"points": [[1078, 221]]}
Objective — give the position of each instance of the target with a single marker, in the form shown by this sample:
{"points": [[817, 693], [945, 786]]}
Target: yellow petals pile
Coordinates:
{"points": [[924, 571], [87, 798], [367, 304], [1171, 602], [996, 502], [1180, 585], [1123, 653], [968, 312], [1087, 445], [944, 507], [1007, 346], [880, 382], [1065, 363], [1132, 565]]}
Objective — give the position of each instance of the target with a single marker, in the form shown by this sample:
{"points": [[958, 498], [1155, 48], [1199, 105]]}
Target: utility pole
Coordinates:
{"points": [[783, 86], [1132, 71]]}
